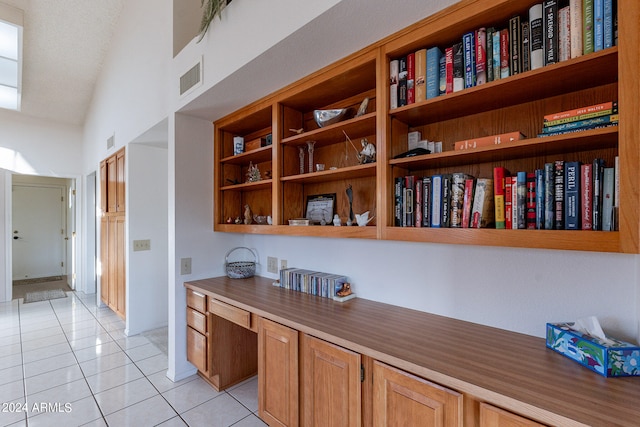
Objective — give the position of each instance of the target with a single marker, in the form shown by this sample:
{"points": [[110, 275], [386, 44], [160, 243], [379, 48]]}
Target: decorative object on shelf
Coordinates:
{"points": [[211, 9], [260, 219], [310, 145], [363, 218], [297, 131], [233, 181], [363, 107], [253, 173], [238, 145], [319, 167], [343, 289], [269, 220], [238, 220], [337, 221], [349, 192], [299, 221], [328, 117], [242, 268], [301, 156], [320, 208], [247, 214], [229, 220], [368, 153]]}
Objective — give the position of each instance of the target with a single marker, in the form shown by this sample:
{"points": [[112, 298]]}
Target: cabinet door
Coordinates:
{"points": [[197, 349], [330, 384], [103, 186], [121, 278], [401, 399], [112, 187], [112, 266], [120, 182], [490, 416], [104, 260], [277, 374]]}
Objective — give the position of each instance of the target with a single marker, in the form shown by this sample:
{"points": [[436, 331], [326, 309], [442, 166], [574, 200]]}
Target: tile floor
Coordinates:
{"points": [[67, 362]]}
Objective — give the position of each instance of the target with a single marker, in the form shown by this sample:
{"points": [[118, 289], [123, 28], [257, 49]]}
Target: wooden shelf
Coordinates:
{"points": [[368, 232], [355, 128], [249, 186], [350, 172], [259, 155]]}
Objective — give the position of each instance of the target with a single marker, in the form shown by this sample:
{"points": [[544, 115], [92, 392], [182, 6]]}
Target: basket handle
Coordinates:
{"points": [[255, 256]]}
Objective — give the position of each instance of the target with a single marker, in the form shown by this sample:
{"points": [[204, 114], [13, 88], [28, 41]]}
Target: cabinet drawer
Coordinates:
{"points": [[197, 349], [197, 320], [231, 313], [197, 300]]}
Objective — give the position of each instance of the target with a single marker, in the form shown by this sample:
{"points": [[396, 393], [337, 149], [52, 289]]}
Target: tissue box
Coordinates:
{"points": [[612, 358]]}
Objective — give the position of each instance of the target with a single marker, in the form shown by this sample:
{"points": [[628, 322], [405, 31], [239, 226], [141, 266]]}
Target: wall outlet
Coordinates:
{"points": [[185, 266], [283, 264], [272, 264], [141, 245]]}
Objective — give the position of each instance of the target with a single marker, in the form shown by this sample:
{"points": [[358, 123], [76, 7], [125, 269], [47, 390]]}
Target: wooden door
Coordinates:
{"points": [[330, 385], [277, 374], [103, 187], [120, 187], [197, 349], [112, 185], [104, 259], [112, 256], [490, 416], [401, 399], [121, 277]]}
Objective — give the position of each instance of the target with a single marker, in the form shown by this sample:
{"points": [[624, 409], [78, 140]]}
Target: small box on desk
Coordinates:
{"points": [[254, 144], [610, 358]]}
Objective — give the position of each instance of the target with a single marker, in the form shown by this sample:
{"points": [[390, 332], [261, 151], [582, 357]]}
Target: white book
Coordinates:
{"points": [[394, 70], [564, 33], [575, 12], [536, 36], [436, 200]]}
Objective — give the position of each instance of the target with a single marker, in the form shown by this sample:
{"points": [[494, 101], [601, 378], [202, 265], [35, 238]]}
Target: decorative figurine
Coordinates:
{"points": [[310, 145], [247, 214], [344, 290], [368, 153], [336, 220], [253, 173], [229, 220], [363, 107], [363, 219], [297, 131], [350, 197], [301, 156], [238, 220]]}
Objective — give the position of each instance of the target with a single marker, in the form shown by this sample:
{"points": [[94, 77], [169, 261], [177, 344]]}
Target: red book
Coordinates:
{"points": [[481, 56], [499, 173], [467, 201], [507, 203], [531, 200], [411, 73], [585, 197], [448, 68]]}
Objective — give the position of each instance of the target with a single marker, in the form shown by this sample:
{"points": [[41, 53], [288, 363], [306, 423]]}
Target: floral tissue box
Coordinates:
{"points": [[611, 358]]}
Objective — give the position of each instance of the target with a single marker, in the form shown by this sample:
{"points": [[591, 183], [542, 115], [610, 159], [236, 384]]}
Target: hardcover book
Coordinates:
{"points": [[549, 196], [398, 196], [436, 201], [540, 195], [496, 52], [445, 212], [481, 56], [426, 201], [420, 79], [608, 20], [575, 12], [433, 72], [596, 211], [514, 201], [458, 67], [515, 40], [586, 192], [409, 201], [507, 203], [442, 71], [587, 26], [489, 53], [611, 119], [521, 200], [458, 181], [531, 201], [581, 113], [572, 207], [467, 203], [482, 212], [558, 180], [448, 66], [504, 54], [418, 202], [564, 34], [608, 179], [469, 43], [536, 36], [394, 70], [411, 72], [402, 82], [550, 31], [526, 46], [499, 174], [598, 25], [486, 141]]}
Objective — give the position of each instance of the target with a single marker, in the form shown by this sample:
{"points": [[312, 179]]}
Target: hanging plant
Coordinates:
{"points": [[211, 9]]}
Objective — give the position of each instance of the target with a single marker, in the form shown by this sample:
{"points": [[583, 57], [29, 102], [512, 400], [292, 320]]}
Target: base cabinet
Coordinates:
{"points": [[491, 416]]}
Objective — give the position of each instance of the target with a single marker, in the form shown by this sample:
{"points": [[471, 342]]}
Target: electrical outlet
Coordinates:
{"points": [[272, 264], [185, 266], [141, 245], [283, 264]]}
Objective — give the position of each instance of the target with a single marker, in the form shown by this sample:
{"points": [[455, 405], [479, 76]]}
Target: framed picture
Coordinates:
{"points": [[320, 208]]}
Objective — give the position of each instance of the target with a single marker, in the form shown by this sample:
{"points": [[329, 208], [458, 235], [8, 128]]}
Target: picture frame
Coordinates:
{"points": [[320, 208]]}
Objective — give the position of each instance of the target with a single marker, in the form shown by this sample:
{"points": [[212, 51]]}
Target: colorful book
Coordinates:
{"points": [[482, 211], [610, 119], [581, 113], [467, 203], [515, 40], [608, 180], [420, 79], [426, 201], [596, 210], [540, 196], [587, 26], [586, 191], [504, 54], [442, 71], [608, 23], [598, 25], [536, 36], [572, 207], [575, 12], [402, 82], [549, 196], [418, 202], [514, 201], [531, 201], [558, 182], [436, 200], [489, 53], [445, 213], [499, 174], [458, 67], [486, 141], [469, 44], [564, 34], [550, 31], [458, 181], [507, 203], [394, 70], [448, 65], [433, 72], [521, 200], [495, 56], [411, 73]]}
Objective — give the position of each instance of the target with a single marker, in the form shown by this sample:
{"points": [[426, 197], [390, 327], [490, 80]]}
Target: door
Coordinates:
{"points": [[38, 227]]}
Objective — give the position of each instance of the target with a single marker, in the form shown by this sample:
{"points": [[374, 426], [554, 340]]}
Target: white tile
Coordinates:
{"points": [[120, 397], [43, 332], [11, 391], [143, 352], [153, 364], [10, 361], [190, 395], [127, 343], [100, 350], [162, 383], [46, 352], [43, 342], [46, 320], [7, 350], [81, 412], [10, 340], [51, 364], [15, 413], [251, 421], [52, 379], [62, 394], [100, 422], [89, 323], [10, 375], [115, 377], [152, 411], [90, 341], [104, 363], [173, 422], [246, 393], [221, 411], [7, 332]]}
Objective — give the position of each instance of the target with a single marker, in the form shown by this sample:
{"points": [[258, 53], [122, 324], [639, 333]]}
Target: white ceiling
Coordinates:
{"points": [[65, 43]]}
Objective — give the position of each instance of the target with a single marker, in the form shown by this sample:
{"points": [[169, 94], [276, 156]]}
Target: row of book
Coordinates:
{"points": [[325, 285], [560, 196], [547, 35]]}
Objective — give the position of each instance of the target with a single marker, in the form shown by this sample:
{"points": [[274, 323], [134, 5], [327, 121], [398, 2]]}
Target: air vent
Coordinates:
{"points": [[111, 142], [191, 78]]}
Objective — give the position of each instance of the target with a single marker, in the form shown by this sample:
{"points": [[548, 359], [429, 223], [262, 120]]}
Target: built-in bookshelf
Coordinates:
{"points": [[518, 102]]}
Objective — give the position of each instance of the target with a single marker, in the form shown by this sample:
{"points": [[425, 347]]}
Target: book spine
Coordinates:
{"points": [[411, 73], [584, 116], [426, 201], [564, 34], [436, 200], [549, 196], [603, 106], [616, 193], [550, 28], [409, 201], [508, 224], [526, 46], [521, 190], [495, 56], [489, 53], [515, 36], [608, 31], [499, 173], [572, 196], [418, 202], [596, 210], [561, 132], [420, 78], [402, 82], [582, 124], [488, 140], [558, 174], [448, 64], [575, 11], [587, 26], [537, 36], [467, 203], [481, 55], [608, 179], [458, 67], [433, 72], [504, 54], [540, 192], [598, 25], [514, 202], [442, 72], [531, 201], [398, 195], [394, 70], [446, 201], [457, 199], [468, 41], [586, 195], [483, 192]]}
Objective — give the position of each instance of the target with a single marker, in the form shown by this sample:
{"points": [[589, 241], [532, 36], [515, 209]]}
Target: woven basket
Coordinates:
{"points": [[243, 268]]}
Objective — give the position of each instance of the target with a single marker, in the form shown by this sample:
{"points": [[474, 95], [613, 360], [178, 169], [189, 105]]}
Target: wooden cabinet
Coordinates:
{"points": [[491, 416], [197, 331], [113, 233], [329, 384], [278, 392], [518, 103], [402, 399]]}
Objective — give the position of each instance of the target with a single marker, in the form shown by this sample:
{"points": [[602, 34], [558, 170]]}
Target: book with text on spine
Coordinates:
{"points": [[420, 77], [458, 180], [499, 174], [586, 195], [536, 35], [482, 211], [433, 72], [467, 202], [531, 201], [481, 56], [572, 207], [486, 141], [558, 182], [588, 112], [549, 196], [508, 212]]}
